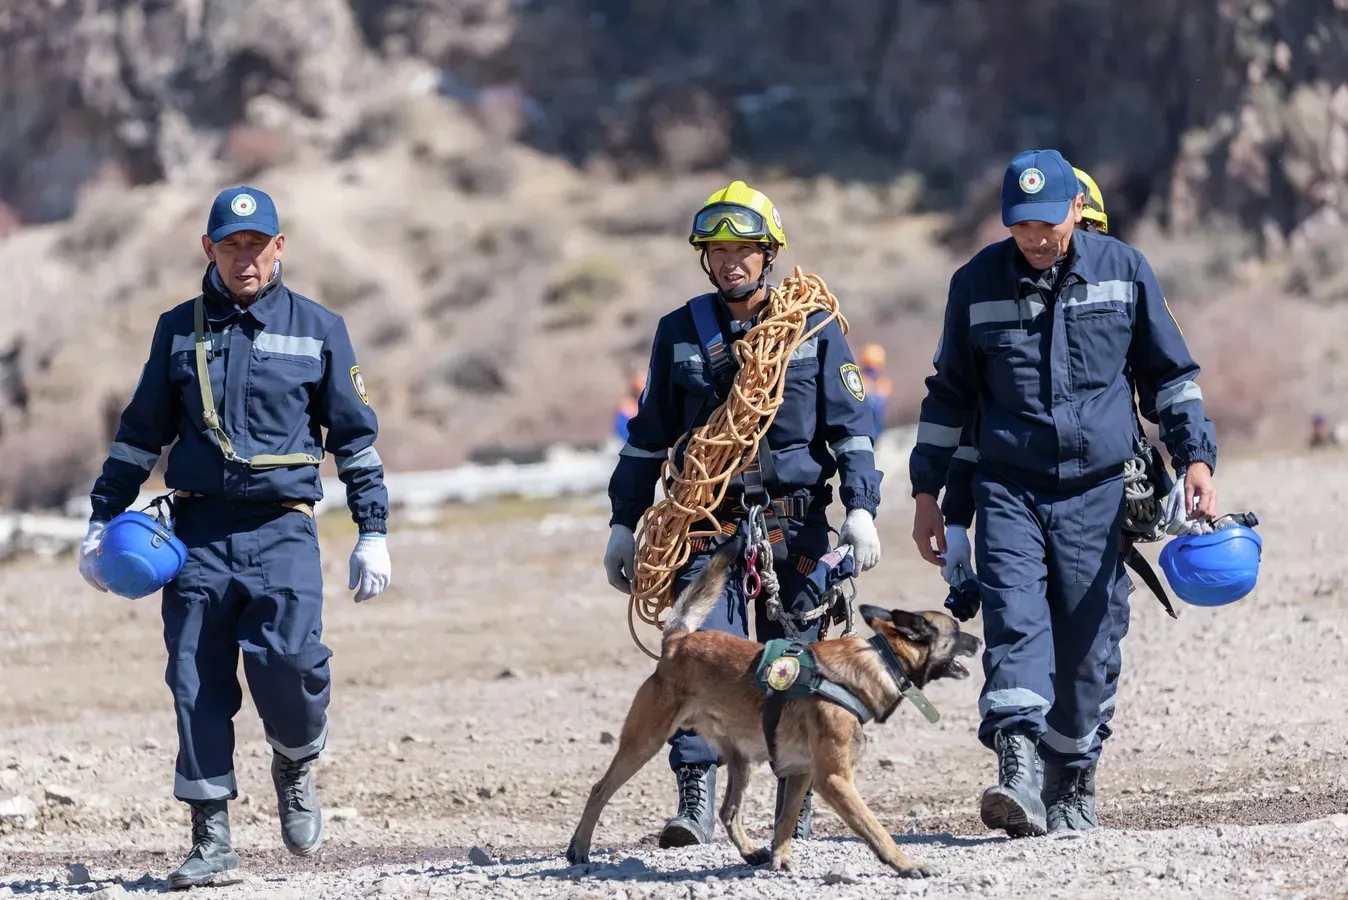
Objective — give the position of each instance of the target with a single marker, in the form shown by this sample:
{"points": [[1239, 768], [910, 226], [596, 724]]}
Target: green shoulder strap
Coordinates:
{"points": [[212, 419]]}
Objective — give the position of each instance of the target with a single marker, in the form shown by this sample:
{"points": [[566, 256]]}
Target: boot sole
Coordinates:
{"points": [[215, 879], [1001, 812], [679, 835]]}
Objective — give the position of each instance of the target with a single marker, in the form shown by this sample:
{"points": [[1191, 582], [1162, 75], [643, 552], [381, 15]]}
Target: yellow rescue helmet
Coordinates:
{"points": [[1094, 210], [738, 213], [873, 356]]}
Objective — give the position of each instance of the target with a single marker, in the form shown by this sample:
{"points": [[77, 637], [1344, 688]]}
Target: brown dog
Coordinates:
{"points": [[705, 681]]}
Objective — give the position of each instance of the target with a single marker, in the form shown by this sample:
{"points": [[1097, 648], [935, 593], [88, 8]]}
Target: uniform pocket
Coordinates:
{"points": [[1013, 359], [795, 421], [1099, 335]]}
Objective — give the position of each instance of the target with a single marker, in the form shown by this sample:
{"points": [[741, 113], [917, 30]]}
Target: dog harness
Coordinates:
{"points": [[787, 670]]}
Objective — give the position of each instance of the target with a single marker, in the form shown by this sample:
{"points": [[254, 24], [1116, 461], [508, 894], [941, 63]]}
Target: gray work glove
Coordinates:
{"points": [[958, 557], [620, 558], [859, 530], [89, 555], [370, 568]]}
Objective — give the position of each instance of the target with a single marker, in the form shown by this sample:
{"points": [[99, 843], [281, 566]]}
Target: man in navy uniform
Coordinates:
{"points": [[247, 442], [1045, 335], [822, 428]]}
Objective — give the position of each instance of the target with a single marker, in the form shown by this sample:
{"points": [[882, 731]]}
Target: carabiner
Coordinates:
{"points": [[753, 582]]}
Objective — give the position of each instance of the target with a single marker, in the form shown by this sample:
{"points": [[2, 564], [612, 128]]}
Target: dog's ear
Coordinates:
{"points": [[872, 614], [913, 627]]}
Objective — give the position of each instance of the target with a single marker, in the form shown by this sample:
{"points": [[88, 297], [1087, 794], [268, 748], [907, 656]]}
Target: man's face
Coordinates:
{"points": [[1043, 243], [245, 260], [735, 263]]}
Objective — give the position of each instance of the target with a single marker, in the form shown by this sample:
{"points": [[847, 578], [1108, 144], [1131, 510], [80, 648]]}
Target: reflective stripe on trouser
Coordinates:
{"points": [[1049, 563], [808, 539], [252, 582], [1120, 608]]}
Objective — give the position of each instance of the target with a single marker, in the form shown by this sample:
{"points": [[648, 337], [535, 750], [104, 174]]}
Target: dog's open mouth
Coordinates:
{"points": [[957, 669]]}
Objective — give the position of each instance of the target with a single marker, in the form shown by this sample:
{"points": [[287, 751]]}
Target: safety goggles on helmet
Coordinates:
{"points": [[741, 221]]}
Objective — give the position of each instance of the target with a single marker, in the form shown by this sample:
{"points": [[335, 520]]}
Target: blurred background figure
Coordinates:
{"points": [[13, 385], [1321, 434], [878, 386], [627, 407]]}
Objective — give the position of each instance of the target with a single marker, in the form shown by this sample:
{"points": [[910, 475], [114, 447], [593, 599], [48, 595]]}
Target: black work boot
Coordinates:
{"points": [[1069, 796], [1014, 804], [695, 822], [297, 805], [212, 861], [804, 830]]}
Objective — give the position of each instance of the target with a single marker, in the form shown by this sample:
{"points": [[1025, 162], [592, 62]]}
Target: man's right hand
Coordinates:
{"points": [[88, 555], [929, 529], [620, 558]]}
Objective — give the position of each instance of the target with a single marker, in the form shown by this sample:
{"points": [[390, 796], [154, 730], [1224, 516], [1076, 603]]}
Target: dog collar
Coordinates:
{"points": [[906, 686]]}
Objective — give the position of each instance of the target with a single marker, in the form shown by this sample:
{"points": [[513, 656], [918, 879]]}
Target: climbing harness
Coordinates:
{"points": [[727, 447], [1146, 484], [824, 581]]}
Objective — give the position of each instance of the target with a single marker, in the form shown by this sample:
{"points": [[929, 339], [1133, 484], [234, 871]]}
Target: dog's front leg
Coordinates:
{"points": [[650, 722], [738, 773], [793, 795], [840, 793]]}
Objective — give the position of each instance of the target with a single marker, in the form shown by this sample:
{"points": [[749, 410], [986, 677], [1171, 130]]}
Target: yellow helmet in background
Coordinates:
{"points": [[1094, 210], [738, 213], [872, 356]]}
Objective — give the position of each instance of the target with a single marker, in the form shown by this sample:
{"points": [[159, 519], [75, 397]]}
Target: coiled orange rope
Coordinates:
{"points": [[723, 448]]}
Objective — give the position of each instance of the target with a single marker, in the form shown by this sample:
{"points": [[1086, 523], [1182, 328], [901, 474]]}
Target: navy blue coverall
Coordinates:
{"points": [[822, 428], [281, 370], [1037, 376]]}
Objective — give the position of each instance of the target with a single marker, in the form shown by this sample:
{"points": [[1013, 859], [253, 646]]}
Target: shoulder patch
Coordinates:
{"points": [[359, 384], [852, 380], [1172, 316]]}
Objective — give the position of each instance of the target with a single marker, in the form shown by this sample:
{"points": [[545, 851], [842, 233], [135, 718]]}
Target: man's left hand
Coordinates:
{"points": [[859, 531], [1200, 494], [371, 569]]}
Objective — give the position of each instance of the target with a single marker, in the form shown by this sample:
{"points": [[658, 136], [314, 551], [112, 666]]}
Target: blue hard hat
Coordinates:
{"points": [[1213, 569], [138, 556]]}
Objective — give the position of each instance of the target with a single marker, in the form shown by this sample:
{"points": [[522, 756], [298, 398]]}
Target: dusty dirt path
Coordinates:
{"points": [[471, 703]]}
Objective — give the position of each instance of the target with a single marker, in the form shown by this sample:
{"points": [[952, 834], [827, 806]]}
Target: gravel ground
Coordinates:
{"points": [[475, 703]]}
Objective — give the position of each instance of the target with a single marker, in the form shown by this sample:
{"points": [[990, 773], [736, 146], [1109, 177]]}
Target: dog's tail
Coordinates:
{"points": [[700, 598]]}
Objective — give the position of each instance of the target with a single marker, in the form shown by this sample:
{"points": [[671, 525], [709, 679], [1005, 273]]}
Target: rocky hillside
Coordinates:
{"points": [[495, 192]]}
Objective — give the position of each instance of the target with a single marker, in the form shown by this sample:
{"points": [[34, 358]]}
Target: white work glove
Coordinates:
{"points": [[1177, 519], [88, 555], [958, 556], [859, 530], [370, 567], [620, 558]]}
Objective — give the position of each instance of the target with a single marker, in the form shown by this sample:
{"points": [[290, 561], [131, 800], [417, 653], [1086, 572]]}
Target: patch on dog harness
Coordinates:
{"points": [[786, 668], [783, 673]]}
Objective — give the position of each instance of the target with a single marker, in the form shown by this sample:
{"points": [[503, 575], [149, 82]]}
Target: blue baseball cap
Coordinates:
{"points": [[242, 209], [1039, 186]]}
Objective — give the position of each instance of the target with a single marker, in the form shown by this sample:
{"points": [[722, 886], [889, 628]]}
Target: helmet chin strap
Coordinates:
{"points": [[744, 291]]}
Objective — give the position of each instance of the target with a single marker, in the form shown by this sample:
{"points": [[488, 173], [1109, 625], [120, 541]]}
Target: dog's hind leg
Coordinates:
{"points": [[793, 796], [650, 722], [839, 792], [738, 773]]}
